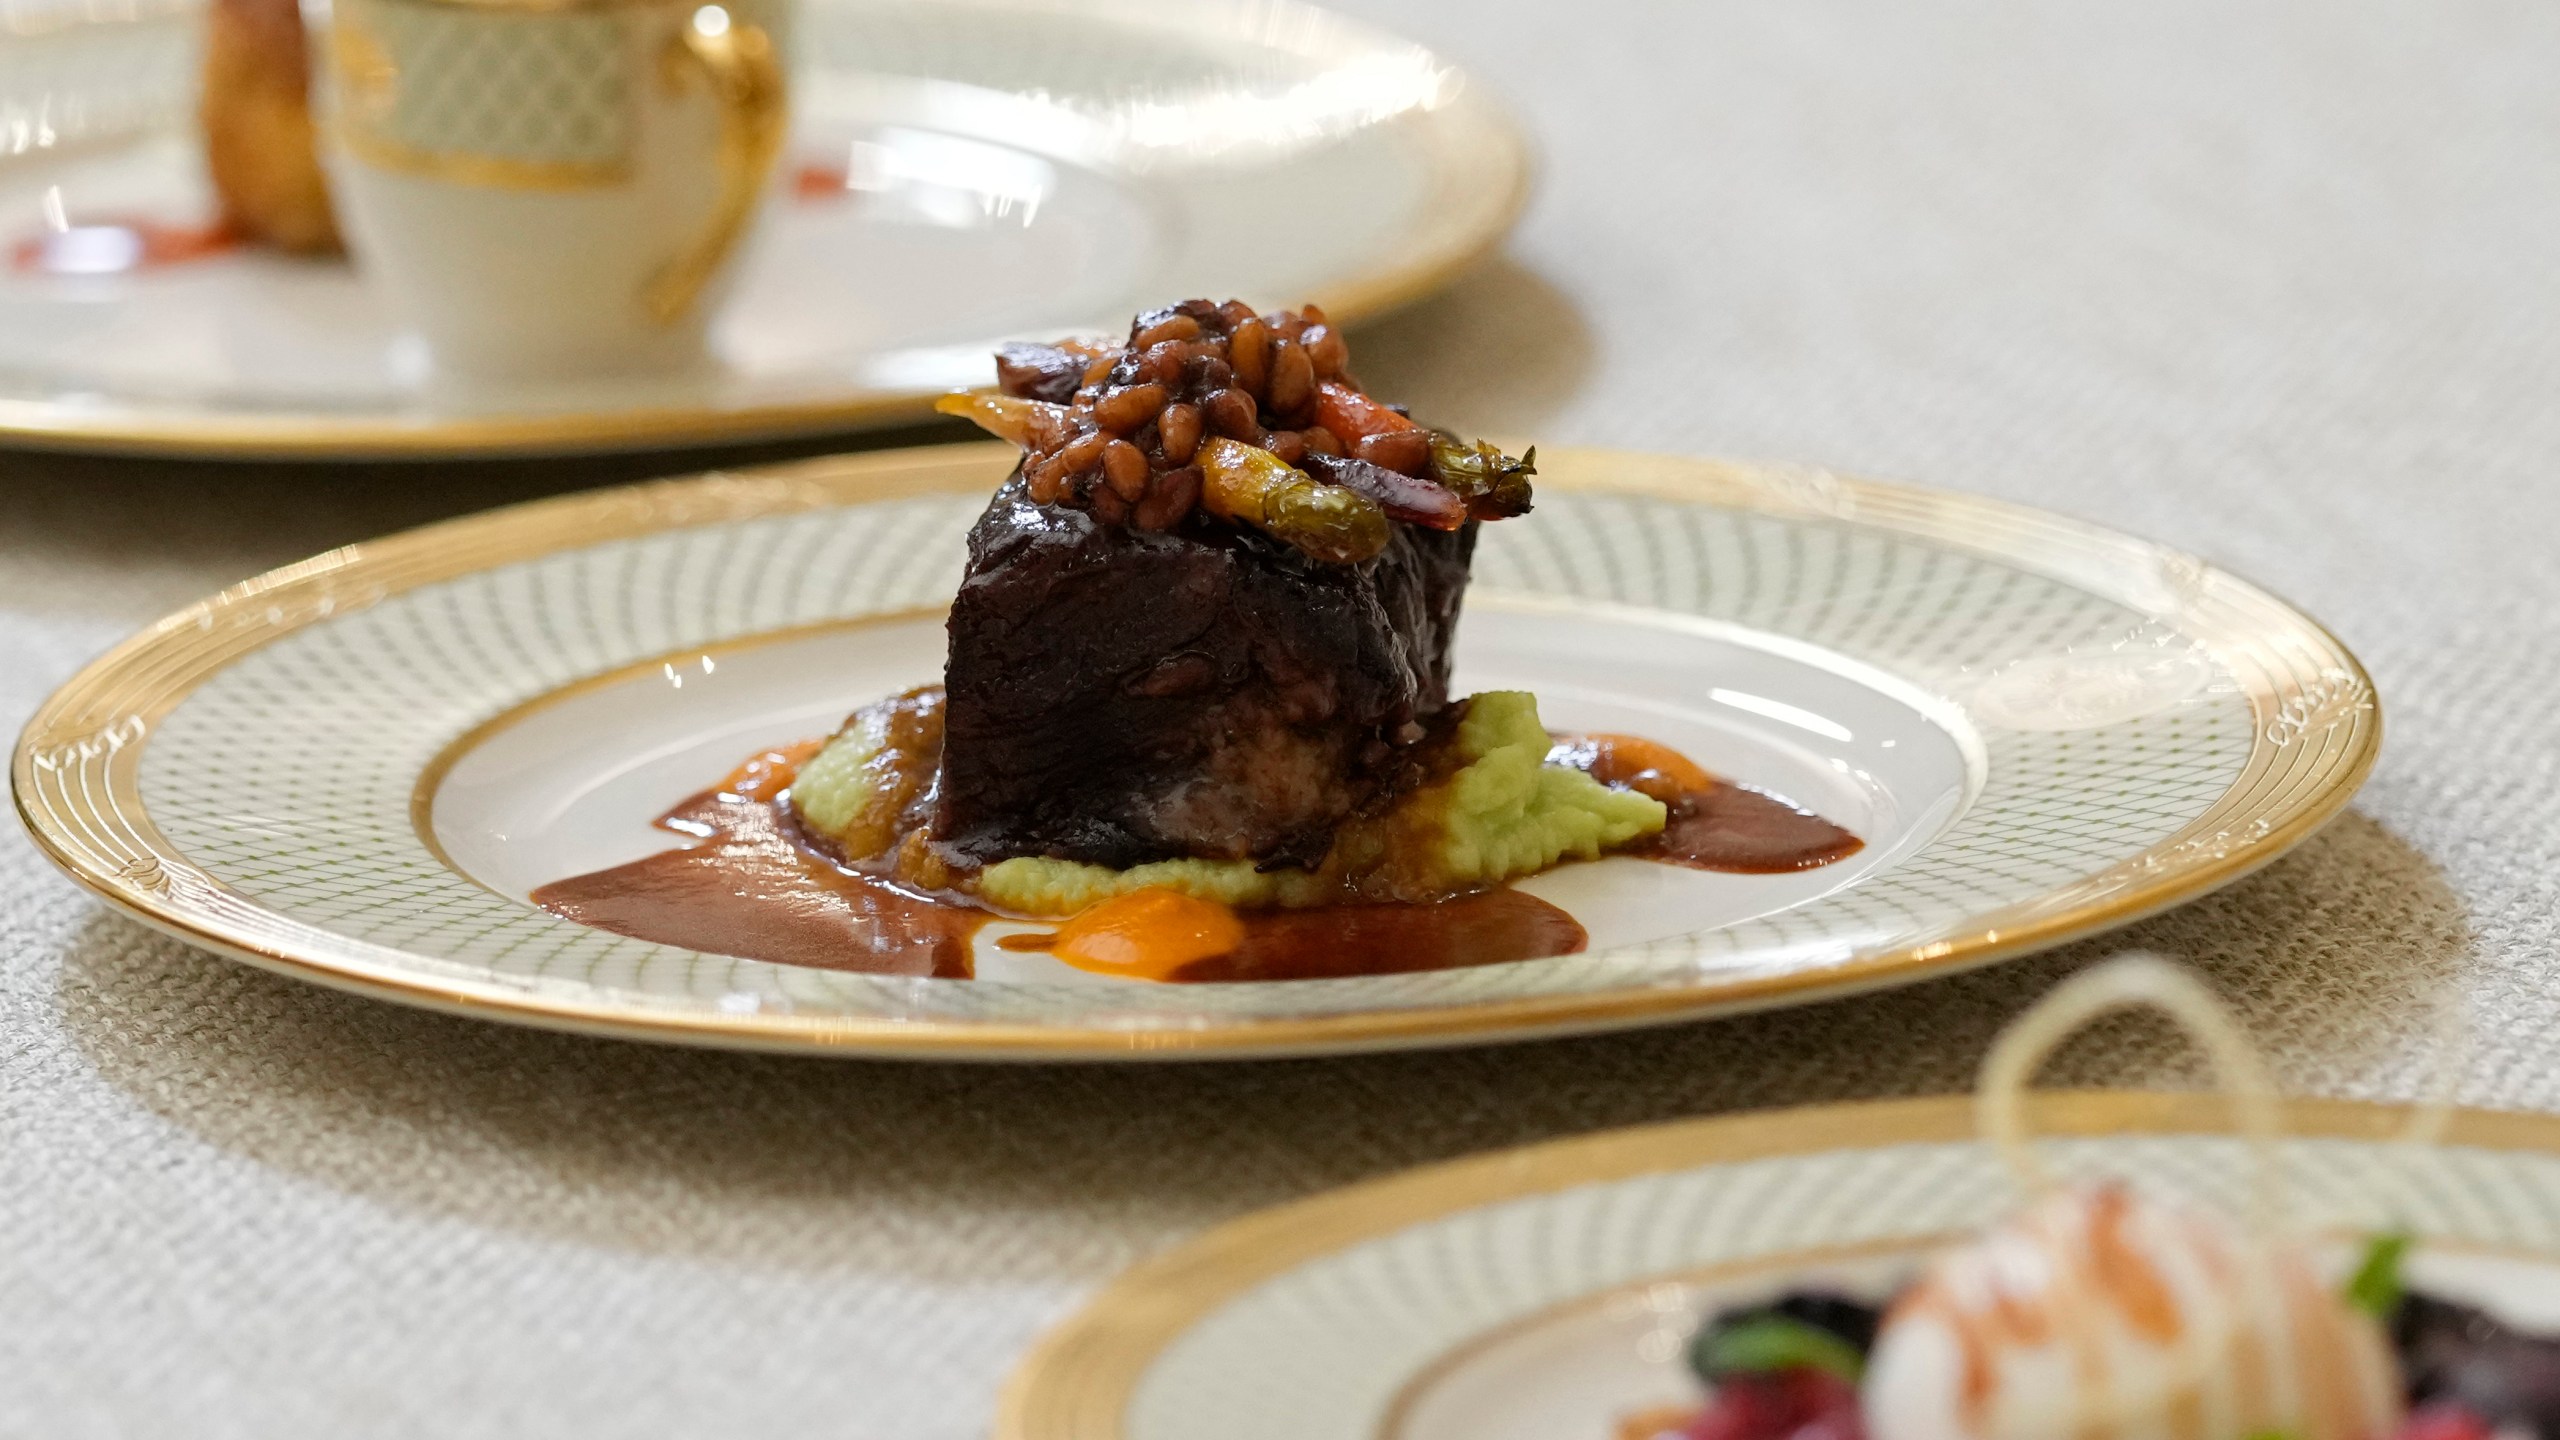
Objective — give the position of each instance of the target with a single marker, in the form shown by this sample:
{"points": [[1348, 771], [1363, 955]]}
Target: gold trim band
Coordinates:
{"points": [[543, 7], [736, 64], [487, 172]]}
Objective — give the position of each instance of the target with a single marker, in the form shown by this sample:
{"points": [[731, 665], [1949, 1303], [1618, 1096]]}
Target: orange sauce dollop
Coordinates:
{"points": [[1714, 824], [1147, 935]]}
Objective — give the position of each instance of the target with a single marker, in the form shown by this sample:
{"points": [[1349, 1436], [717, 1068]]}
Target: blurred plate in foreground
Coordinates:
{"points": [[1548, 1292]]}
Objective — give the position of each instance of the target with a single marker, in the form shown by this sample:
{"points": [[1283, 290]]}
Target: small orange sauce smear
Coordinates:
{"points": [[1713, 824], [819, 182], [117, 247], [1146, 935], [1662, 1422], [1646, 766], [766, 776]]}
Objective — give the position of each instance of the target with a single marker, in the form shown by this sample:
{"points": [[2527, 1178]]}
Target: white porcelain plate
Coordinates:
{"points": [[357, 769], [1547, 1293], [960, 171]]}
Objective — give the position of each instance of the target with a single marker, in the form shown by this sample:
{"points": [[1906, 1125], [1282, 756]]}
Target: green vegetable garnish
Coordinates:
{"points": [[1767, 1344], [2375, 1288], [1327, 522], [1494, 485]]}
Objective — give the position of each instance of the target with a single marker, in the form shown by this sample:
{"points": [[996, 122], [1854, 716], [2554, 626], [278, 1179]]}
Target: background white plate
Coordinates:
{"points": [[1019, 167]]}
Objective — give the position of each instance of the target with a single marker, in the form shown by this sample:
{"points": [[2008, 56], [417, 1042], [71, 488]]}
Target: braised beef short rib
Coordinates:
{"points": [[1118, 696]]}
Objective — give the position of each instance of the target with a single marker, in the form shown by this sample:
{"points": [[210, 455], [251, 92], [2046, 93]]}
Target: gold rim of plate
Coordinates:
{"points": [[1472, 136], [75, 774], [1077, 1382]]}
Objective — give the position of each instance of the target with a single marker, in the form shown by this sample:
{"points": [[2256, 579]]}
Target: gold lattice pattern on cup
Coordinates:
{"points": [[520, 100]]}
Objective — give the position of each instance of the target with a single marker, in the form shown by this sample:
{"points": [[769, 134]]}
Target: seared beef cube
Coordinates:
{"points": [[1119, 696]]}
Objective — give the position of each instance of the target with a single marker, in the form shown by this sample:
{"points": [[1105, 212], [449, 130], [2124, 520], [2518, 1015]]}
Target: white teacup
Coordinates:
{"points": [[551, 187]]}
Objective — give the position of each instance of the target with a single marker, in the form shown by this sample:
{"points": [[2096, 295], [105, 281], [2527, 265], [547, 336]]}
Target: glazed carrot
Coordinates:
{"points": [[1352, 416]]}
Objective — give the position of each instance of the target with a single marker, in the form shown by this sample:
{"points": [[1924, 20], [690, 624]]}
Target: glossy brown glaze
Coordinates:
{"points": [[1714, 825], [752, 890]]}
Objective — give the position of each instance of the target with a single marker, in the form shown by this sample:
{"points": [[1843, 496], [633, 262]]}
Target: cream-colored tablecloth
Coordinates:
{"points": [[2275, 280]]}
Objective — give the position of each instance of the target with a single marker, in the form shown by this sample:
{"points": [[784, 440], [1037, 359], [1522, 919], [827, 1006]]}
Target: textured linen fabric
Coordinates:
{"points": [[2271, 280]]}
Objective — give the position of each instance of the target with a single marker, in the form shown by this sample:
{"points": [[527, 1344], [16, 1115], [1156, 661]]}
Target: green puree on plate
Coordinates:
{"points": [[1503, 813]]}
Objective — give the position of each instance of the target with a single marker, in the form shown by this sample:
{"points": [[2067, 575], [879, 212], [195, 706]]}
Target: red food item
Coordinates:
{"points": [[2445, 1420], [1800, 1404]]}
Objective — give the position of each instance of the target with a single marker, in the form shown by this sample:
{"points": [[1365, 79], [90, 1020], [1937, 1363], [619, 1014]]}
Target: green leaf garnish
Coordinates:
{"points": [[1767, 1344], [2375, 1288]]}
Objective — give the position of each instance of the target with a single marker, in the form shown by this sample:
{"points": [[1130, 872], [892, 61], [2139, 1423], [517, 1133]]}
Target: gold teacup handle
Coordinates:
{"points": [[736, 60]]}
